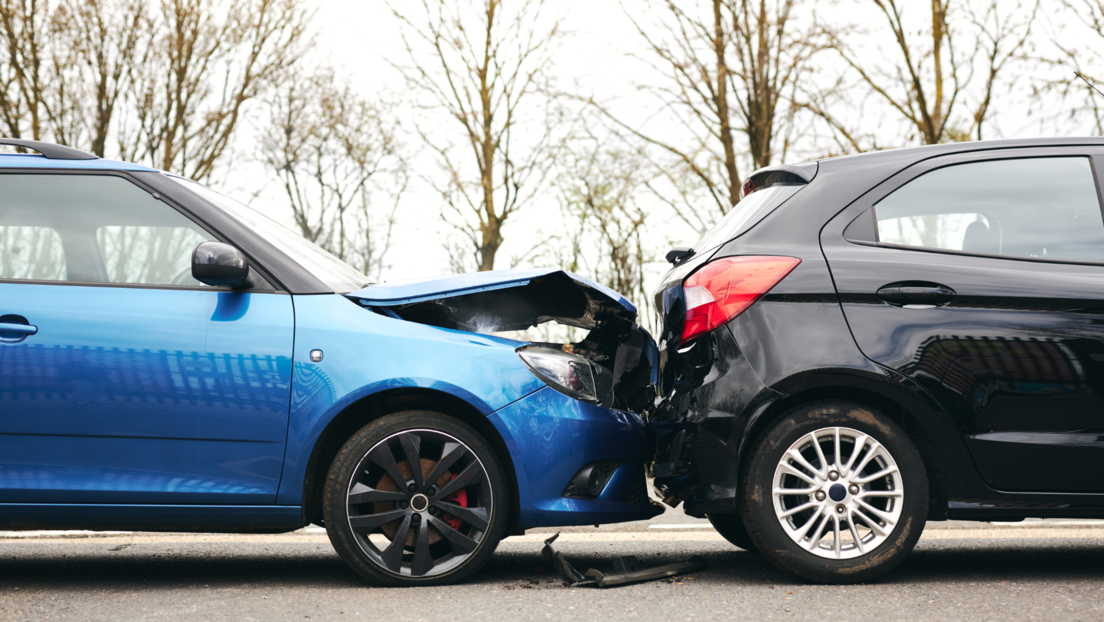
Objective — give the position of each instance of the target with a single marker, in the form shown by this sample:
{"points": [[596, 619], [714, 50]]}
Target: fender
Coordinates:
{"points": [[357, 344]]}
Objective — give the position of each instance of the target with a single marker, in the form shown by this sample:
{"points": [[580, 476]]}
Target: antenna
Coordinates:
{"points": [[1088, 82]]}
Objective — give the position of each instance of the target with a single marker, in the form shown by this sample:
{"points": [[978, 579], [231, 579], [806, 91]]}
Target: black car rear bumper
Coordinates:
{"points": [[699, 425]]}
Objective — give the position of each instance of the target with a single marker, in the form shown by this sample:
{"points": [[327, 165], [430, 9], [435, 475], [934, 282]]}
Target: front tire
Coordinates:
{"points": [[401, 526], [835, 492]]}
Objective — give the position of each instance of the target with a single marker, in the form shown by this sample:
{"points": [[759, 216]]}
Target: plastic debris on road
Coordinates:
{"points": [[625, 569]]}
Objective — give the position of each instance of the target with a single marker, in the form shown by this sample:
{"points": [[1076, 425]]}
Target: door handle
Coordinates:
{"points": [[18, 329], [916, 295]]}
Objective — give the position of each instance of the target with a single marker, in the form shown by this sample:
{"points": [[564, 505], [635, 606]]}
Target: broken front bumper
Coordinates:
{"points": [[551, 437]]}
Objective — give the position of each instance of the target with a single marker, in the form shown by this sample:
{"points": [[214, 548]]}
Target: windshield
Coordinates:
{"points": [[746, 214], [335, 273]]}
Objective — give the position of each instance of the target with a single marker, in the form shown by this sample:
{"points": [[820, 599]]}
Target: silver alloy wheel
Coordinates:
{"points": [[838, 493], [419, 522]]}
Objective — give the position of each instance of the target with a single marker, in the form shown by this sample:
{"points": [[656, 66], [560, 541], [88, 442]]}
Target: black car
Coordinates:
{"points": [[871, 342]]}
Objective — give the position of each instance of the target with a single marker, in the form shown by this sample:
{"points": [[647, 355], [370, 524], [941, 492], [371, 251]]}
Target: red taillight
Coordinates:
{"points": [[722, 289]]}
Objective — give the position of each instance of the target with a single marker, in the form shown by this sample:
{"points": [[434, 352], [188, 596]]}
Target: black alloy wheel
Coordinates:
{"points": [[402, 526], [834, 492]]}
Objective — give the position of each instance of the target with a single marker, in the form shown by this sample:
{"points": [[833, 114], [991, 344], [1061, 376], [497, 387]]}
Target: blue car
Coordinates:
{"points": [[171, 360]]}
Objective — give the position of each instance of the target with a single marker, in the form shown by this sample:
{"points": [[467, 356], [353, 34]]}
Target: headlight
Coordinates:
{"points": [[570, 374]]}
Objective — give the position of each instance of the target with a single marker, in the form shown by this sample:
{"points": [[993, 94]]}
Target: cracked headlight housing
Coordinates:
{"points": [[570, 374]]}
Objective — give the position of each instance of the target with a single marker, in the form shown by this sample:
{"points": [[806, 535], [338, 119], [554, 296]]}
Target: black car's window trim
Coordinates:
{"points": [[1095, 162], [266, 279], [943, 251], [867, 205]]}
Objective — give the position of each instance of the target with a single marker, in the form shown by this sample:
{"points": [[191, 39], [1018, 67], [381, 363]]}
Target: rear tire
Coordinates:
{"points": [[855, 512], [731, 528], [398, 526]]}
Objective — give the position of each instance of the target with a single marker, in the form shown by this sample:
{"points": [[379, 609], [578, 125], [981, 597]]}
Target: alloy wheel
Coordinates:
{"points": [[419, 503], [838, 493]]}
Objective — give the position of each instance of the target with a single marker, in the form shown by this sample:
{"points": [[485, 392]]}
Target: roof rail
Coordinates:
{"points": [[50, 150]]}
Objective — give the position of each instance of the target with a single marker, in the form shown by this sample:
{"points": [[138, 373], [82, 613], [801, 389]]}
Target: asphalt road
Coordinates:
{"points": [[958, 571]]}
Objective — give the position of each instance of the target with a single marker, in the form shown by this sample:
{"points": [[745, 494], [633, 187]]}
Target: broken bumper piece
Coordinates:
{"points": [[625, 569]]}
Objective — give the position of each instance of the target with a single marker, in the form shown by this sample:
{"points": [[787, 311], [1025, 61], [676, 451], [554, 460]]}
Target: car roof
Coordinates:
{"points": [[906, 156], [926, 151], [26, 160], [21, 160]]}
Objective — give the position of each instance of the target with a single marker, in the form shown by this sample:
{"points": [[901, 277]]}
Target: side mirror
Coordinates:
{"points": [[678, 253], [218, 264]]}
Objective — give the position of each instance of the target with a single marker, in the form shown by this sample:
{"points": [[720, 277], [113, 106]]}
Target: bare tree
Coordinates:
{"points": [[934, 61], [729, 70], [210, 61], [170, 80], [486, 67], [64, 66], [25, 67], [1003, 39], [598, 187], [1082, 103], [339, 163], [102, 43]]}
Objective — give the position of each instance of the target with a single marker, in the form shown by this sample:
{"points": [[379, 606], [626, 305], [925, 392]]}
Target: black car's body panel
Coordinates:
{"points": [[804, 341], [1018, 338]]}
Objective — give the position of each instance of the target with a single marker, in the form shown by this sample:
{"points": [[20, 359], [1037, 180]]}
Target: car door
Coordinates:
{"points": [[981, 277], [122, 379]]}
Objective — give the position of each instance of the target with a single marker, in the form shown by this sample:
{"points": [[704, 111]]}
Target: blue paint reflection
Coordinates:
{"points": [[144, 395], [552, 436], [232, 306]]}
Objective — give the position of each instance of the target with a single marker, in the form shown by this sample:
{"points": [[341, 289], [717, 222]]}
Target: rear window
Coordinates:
{"points": [[747, 214], [1040, 208]]}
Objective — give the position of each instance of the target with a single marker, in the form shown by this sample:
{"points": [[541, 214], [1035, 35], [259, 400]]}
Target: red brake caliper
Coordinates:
{"points": [[460, 498]]}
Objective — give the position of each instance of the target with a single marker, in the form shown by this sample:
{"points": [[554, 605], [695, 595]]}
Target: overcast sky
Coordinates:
{"points": [[357, 34]]}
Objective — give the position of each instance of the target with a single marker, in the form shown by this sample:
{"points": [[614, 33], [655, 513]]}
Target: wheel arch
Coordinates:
{"points": [[373, 407], [898, 407]]}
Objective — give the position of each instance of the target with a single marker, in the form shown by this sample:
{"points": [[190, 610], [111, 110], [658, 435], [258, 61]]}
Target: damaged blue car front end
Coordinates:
{"points": [[577, 443]]}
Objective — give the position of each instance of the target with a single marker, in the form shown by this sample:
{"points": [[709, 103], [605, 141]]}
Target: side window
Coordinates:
{"points": [[92, 229], [1045, 208], [150, 255]]}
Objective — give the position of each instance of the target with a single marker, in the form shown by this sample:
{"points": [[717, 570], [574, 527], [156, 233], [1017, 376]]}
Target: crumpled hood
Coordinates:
{"points": [[500, 300]]}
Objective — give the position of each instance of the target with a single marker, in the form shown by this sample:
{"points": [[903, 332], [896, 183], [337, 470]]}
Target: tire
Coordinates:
{"points": [[878, 526], [731, 528], [417, 531]]}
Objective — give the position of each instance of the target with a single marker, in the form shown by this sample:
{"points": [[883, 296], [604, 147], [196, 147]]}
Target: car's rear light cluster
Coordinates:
{"points": [[722, 289]]}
